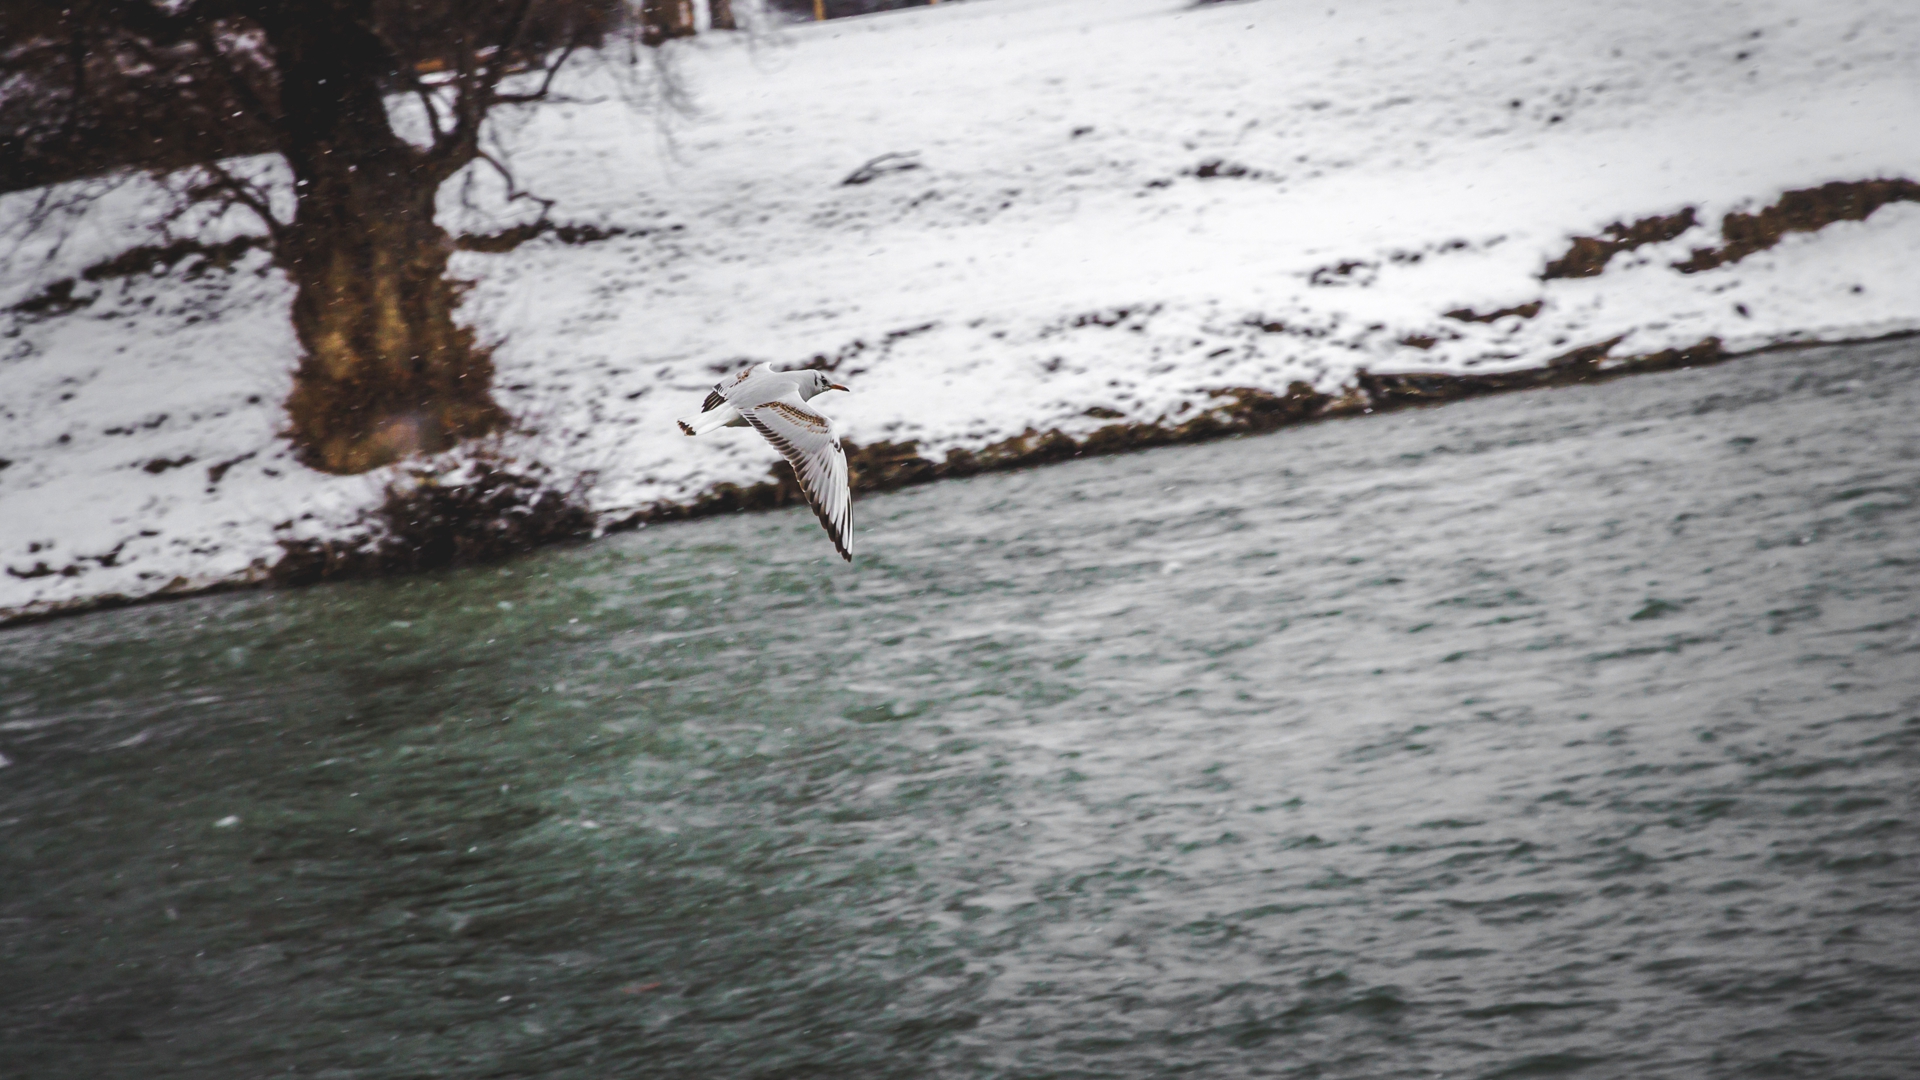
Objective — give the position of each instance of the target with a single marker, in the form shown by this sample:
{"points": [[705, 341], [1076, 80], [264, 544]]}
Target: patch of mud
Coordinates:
{"points": [[1805, 210], [1589, 255]]}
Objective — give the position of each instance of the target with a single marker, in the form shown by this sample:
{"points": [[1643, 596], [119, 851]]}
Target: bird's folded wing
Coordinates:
{"points": [[723, 391], [806, 439]]}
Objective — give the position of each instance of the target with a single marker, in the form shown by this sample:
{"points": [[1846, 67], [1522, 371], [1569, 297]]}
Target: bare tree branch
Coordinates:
{"points": [[232, 190], [546, 82], [514, 190]]}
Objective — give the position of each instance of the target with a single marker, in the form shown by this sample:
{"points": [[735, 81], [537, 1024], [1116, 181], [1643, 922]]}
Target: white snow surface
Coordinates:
{"points": [[1052, 252]]}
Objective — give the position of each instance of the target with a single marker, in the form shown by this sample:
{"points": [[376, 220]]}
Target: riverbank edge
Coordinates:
{"points": [[890, 466]]}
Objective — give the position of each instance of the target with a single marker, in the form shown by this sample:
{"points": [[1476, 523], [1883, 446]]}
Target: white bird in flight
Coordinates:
{"points": [[774, 403]]}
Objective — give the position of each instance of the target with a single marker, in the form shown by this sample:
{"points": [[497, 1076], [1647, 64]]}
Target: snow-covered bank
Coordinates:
{"points": [[1117, 208]]}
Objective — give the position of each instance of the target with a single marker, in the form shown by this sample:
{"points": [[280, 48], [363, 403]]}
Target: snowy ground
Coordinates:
{"points": [[1059, 247]]}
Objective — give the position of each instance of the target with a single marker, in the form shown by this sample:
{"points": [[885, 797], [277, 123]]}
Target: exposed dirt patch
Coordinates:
{"points": [[57, 297], [218, 471], [1350, 272], [160, 465], [41, 569], [201, 258], [157, 259], [1525, 311], [1280, 326], [1222, 169], [1743, 234], [1589, 254], [1364, 272], [1132, 317], [75, 567], [1805, 210], [507, 239], [849, 352], [1114, 317]]}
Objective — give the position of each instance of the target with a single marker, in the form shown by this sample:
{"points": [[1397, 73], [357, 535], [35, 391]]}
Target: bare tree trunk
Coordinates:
{"points": [[387, 372], [721, 14], [661, 20]]}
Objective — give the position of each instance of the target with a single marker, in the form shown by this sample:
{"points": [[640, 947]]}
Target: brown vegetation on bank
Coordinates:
{"points": [[1804, 210], [495, 511], [1743, 234], [1589, 255]]}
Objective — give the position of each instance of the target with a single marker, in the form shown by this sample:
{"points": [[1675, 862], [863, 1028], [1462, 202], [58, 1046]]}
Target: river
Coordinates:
{"points": [[1570, 732]]}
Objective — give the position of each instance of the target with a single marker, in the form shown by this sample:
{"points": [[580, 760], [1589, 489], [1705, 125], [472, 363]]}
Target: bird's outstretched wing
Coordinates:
{"points": [[805, 438]]}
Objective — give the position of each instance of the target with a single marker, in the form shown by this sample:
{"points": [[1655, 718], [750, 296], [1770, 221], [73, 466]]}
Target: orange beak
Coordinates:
{"points": [[837, 386]]}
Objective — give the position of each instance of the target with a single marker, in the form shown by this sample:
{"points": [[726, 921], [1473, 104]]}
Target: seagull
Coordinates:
{"points": [[774, 403]]}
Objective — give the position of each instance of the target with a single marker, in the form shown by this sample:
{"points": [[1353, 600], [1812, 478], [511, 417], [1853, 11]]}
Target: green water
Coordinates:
{"points": [[1563, 733]]}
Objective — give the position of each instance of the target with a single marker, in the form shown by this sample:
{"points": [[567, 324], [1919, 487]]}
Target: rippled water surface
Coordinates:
{"points": [[1562, 733]]}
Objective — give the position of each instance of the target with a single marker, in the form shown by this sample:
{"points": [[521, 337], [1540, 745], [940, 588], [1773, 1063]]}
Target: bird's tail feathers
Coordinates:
{"points": [[703, 422]]}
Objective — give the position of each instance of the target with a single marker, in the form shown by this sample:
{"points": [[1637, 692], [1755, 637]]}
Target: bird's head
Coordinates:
{"points": [[822, 383]]}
